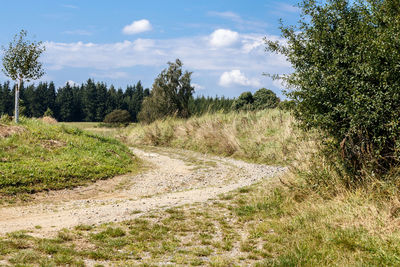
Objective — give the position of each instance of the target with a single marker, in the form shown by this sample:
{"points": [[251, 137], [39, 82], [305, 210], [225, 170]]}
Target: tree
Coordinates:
{"points": [[243, 102], [101, 100], [20, 63], [265, 98], [89, 100], [170, 94], [345, 57], [65, 100], [137, 99]]}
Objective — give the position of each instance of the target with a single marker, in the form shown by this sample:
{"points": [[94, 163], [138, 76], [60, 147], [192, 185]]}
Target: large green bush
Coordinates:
{"points": [[244, 102], [346, 61], [264, 99], [118, 116]]}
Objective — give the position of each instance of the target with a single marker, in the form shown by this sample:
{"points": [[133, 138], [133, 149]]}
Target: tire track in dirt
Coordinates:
{"points": [[173, 178]]}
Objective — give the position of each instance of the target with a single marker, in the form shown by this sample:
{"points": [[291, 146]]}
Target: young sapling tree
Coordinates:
{"points": [[21, 63]]}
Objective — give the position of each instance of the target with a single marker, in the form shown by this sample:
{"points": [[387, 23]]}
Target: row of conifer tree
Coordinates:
{"points": [[91, 101]]}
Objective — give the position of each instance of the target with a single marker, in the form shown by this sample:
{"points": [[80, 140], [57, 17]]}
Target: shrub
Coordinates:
{"points": [[118, 116], [265, 98], [244, 102], [346, 63]]}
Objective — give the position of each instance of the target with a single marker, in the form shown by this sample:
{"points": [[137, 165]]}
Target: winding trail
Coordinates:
{"points": [[172, 178]]}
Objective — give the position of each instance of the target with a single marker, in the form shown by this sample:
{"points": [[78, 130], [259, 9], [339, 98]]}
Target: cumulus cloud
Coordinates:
{"points": [[114, 60], [236, 77], [137, 26], [223, 38], [195, 52]]}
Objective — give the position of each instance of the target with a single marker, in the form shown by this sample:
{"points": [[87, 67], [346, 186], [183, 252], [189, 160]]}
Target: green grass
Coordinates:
{"points": [[47, 157], [97, 128]]}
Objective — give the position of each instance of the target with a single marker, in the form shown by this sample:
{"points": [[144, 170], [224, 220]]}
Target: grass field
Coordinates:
{"points": [[278, 222], [41, 156]]}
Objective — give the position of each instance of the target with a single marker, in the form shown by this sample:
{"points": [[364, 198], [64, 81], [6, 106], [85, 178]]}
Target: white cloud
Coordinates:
{"points": [[113, 59], [236, 77], [197, 87], [194, 52], [223, 38], [143, 44], [137, 26]]}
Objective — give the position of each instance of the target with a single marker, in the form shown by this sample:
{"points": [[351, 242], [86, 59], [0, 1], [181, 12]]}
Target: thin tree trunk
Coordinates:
{"points": [[17, 102]]}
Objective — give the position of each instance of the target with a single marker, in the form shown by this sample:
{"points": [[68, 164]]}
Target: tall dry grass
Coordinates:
{"points": [[268, 136], [314, 215]]}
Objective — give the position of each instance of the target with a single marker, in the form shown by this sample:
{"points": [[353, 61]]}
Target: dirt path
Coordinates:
{"points": [[172, 178]]}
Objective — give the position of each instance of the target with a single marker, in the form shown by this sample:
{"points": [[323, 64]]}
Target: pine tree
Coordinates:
{"points": [[89, 103], [137, 100], [50, 98], [111, 103], [65, 101], [101, 101]]}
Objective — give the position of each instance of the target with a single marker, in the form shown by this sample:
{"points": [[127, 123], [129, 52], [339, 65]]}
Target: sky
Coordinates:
{"points": [[121, 42]]}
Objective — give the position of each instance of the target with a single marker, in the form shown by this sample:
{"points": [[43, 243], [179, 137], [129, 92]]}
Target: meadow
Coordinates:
{"points": [[291, 220]]}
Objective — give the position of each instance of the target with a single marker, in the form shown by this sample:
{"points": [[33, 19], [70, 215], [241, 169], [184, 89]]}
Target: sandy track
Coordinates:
{"points": [[173, 178]]}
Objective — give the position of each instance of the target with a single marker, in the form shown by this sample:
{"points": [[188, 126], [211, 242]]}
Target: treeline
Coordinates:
{"points": [[91, 101], [88, 102]]}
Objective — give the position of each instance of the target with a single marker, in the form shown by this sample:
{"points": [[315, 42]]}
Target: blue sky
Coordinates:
{"points": [[121, 42]]}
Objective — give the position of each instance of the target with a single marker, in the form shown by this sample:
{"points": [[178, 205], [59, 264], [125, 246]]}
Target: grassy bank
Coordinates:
{"points": [[37, 156], [268, 136]]}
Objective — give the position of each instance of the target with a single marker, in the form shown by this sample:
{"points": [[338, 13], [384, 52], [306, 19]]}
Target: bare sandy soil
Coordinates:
{"points": [[172, 178]]}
